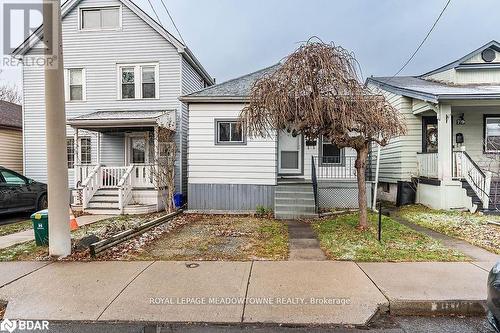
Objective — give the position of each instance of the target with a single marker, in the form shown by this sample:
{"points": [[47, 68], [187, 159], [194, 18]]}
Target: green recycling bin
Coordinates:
{"points": [[41, 227]]}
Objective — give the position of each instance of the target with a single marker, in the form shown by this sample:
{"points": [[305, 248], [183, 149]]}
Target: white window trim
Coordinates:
{"points": [[79, 148], [138, 80], [217, 142], [83, 8], [486, 150], [67, 81], [128, 145]]}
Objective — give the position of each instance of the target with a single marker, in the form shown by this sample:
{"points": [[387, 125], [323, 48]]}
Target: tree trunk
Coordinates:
{"points": [[362, 156]]}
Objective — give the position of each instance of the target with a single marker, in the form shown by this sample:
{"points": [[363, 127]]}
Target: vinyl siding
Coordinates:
{"points": [[98, 53], [112, 150], [253, 163], [11, 153], [467, 76], [398, 160], [191, 82]]}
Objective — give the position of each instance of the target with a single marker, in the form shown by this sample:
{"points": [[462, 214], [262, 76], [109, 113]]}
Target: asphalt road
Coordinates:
{"points": [[13, 218], [385, 325]]}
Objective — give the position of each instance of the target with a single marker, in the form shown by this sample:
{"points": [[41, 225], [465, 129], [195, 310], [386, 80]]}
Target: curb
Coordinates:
{"points": [[433, 308]]}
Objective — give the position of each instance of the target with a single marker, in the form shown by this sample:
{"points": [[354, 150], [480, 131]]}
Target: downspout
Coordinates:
{"points": [[377, 169]]}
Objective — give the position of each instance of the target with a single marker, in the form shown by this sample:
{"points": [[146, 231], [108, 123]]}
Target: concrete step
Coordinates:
{"points": [[294, 201], [295, 208], [293, 215], [294, 188], [293, 195], [111, 191], [103, 204]]}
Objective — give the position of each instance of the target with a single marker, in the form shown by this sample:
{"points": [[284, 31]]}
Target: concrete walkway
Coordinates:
{"points": [[303, 244], [474, 252], [28, 235], [286, 292]]}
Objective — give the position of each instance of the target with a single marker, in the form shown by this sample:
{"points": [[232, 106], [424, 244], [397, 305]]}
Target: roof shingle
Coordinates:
{"points": [[11, 115]]}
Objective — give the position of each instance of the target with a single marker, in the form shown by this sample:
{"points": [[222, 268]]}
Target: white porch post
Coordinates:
{"points": [[76, 176], [444, 142], [156, 153]]}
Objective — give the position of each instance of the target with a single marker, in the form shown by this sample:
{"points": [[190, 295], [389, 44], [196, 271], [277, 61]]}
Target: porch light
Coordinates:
{"points": [[461, 119]]}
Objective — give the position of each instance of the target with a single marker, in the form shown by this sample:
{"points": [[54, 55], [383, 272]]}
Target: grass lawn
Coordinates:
{"points": [[218, 237], [12, 228], [341, 240], [472, 228]]}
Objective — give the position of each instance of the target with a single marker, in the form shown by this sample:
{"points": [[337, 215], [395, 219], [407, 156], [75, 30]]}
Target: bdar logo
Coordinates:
{"points": [[8, 325]]}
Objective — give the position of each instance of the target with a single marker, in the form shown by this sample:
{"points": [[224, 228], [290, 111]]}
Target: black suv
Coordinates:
{"points": [[20, 194]]}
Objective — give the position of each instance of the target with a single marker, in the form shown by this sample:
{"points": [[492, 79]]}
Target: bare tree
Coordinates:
{"points": [[10, 93], [317, 92]]}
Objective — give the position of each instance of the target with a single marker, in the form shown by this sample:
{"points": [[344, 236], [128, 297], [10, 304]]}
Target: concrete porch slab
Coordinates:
{"points": [[14, 270], [62, 291], [305, 282], [430, 287], [172, 283]]}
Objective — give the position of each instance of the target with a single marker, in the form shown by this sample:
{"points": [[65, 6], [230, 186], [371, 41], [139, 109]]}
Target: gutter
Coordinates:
{"points": [[214, 99]]}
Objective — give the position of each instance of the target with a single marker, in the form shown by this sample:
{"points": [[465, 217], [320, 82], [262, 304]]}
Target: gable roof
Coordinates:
{"points": [[11, 115], [424, 88], [234, 90], [69, 5], [493, 44]]}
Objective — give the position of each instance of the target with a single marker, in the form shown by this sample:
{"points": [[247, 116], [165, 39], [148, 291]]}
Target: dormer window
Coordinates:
{"points": [[100, 18]]}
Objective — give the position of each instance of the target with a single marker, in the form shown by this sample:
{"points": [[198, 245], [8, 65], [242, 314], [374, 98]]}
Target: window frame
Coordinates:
{"points": [[485, 134], [138, 94], [89, 8], [341, 156], [67, 85], [79, 147], [217, 142]]}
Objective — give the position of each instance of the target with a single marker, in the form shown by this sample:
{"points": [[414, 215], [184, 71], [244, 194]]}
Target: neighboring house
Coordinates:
{"points": [[124, 74], [453, 116], [228, 171], [11, 136]]}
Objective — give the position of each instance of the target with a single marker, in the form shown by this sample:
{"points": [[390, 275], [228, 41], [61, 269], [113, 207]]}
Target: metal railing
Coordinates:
{"points": [[465, 168], [315, 184], [427, 165], [342, 167]]}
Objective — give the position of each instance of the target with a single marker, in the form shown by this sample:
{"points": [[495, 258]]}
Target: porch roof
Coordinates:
{"points": [[114, 119], [433, 91]]}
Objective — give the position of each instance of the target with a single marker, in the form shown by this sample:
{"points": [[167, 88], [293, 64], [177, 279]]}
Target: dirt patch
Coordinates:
{"points": [[219, 238]]}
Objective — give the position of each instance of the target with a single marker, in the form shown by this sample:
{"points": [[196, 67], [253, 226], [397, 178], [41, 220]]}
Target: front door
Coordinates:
{"points": [[138, 150], [290, 155], [429, 134]]}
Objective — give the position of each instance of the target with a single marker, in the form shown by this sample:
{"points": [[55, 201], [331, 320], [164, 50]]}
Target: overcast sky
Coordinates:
{"points": [[235, 37]]}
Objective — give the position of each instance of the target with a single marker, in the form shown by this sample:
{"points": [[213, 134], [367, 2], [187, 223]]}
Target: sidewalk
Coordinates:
{"points": [[28, 235], [298, 292]]}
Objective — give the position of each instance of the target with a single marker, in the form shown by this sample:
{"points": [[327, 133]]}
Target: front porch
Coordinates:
{"points": [[459, 167], [124, 175]]}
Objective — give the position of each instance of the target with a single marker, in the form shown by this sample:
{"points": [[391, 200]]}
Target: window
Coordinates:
{"points": [[75, 80], [84, 153], [70, 142], [229, 132], [100, 18], [330, 153], [492, 134], [138, 81], [128, 82], [12, 178], [148, 82]]}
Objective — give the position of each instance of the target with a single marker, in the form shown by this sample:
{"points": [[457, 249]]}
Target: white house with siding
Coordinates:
{"points": [[228, 171], [450, 155], [124, 74], [11, 136]]}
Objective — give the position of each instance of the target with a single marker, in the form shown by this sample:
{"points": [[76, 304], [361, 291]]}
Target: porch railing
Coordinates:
{"points": [[334, 168], [465, 168], [143, 175], [111, 176], [314, 183], [82, 172], [125, 189], [427, 165], [90, 185]]}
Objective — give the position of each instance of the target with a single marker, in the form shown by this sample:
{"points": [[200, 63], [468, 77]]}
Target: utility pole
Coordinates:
{"points": [[55, 120]]}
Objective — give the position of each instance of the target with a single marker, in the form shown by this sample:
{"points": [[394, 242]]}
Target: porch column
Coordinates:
{"points": [[76, 176], [444, 142]]}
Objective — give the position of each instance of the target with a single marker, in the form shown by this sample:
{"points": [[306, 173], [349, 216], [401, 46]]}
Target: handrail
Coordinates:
{"points": [[91, 174], [479, 181], [125, 189], [126, 175], [91, 185], [335, 168], [315, 184], [473, 163]]}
